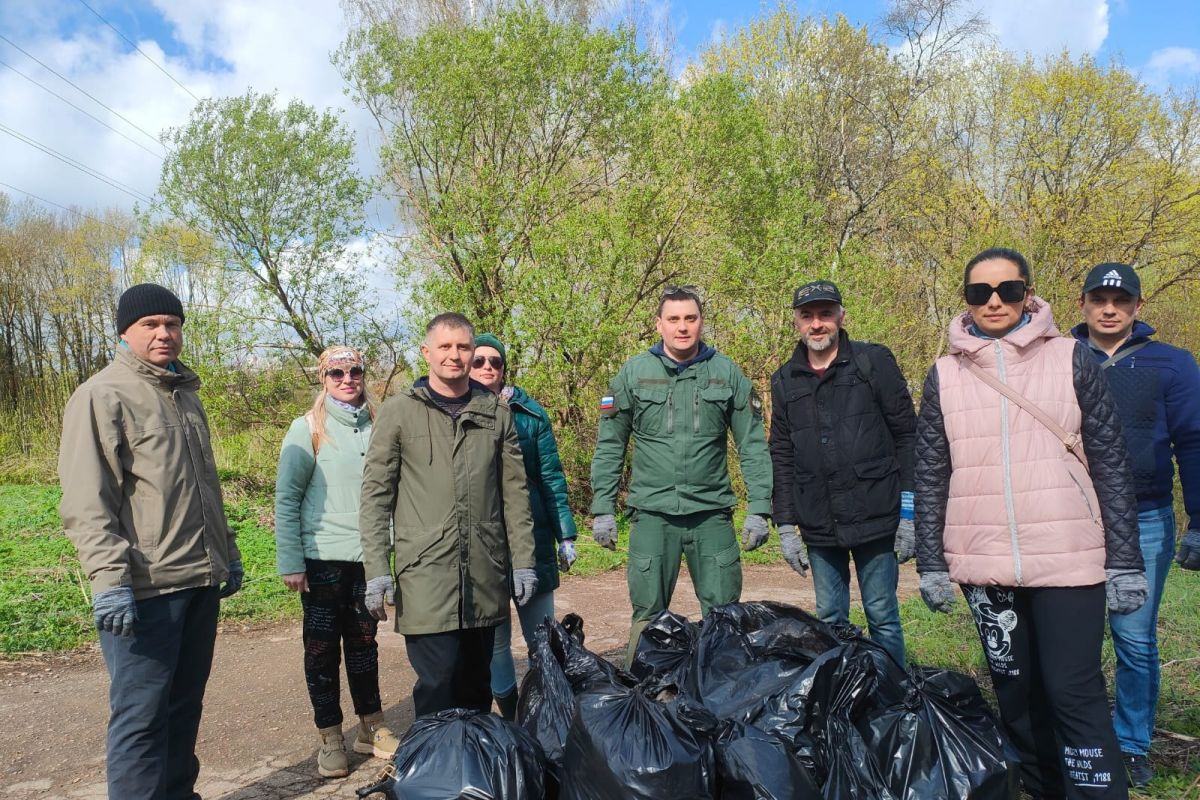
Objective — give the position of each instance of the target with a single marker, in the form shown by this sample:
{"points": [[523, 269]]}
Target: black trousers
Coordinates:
{"points": [[336, 619], [1043, 651], [453, 669]]}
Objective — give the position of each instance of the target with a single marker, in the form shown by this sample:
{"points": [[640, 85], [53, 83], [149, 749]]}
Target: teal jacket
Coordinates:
{"points": [[552, 520], [680, 417], [316, 499]]}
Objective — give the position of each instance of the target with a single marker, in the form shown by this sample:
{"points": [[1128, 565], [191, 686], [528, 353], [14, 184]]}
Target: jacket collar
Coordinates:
{"points": [[704, 353], [179, 378], [845, 352], [351, 419], [1040, 327], [481, 403], [1141, 332]]}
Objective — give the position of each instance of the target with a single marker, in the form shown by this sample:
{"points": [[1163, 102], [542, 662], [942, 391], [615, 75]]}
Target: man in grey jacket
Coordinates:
{"points": [[142, 504]]}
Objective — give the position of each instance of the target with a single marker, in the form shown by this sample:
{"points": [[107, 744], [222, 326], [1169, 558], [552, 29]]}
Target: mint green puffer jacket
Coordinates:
{"points": [[316, 500]]}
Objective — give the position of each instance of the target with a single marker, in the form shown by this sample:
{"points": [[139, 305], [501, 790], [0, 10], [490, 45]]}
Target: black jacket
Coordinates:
{"points": [[842, 444], [1103, 444]]}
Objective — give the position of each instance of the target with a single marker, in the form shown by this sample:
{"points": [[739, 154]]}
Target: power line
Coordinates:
{"points": [[135, 47], [80, 110], [78, 88], [74, 211], [84, 168]]}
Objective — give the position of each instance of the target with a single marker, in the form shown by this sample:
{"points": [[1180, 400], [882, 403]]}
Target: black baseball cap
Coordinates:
{"points": [[816, 291], [1113, 276]]}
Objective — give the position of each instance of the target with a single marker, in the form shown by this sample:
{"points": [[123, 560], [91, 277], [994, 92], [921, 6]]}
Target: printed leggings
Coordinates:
{"points": [[1043, 650], [335, 614]]}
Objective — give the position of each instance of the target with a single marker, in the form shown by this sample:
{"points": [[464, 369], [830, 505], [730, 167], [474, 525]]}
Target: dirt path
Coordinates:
{"points": [[257, 740]]}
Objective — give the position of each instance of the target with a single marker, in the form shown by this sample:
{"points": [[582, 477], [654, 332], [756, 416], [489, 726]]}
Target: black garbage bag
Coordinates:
{"points": [[465, 755], [941, 743], [663, 658], [622, 744], [753, 764]]}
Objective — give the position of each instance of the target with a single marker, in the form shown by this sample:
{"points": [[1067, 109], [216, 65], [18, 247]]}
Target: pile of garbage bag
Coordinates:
{"points": [[759, 701]]}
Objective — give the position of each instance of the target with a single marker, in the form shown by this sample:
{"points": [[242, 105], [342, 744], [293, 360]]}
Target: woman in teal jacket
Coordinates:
{"points": [[553, 526], [318, 554]]}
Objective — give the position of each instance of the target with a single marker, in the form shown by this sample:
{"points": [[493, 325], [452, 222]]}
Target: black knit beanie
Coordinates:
{"points": [[144, 300]]}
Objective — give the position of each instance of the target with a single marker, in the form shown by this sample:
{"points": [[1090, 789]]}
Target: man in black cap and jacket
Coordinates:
{"points": [[843, 431]]}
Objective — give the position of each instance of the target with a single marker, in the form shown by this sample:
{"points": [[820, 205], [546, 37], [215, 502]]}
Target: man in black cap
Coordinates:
{"points": [[142, 504], [1157, 391], [843, 431]]}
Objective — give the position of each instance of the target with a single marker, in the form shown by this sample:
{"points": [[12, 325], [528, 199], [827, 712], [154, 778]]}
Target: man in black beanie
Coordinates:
{"points": [[142, 504]]}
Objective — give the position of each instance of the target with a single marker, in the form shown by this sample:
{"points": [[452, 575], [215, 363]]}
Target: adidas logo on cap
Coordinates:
{"points": [[1112, 278]]}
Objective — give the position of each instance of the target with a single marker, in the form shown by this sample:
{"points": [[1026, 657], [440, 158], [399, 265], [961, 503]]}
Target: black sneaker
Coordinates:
{"points": [[1139, 770]]}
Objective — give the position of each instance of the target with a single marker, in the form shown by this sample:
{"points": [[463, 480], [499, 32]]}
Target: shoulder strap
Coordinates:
{"points": [[1117, 356], [1071, 441]]}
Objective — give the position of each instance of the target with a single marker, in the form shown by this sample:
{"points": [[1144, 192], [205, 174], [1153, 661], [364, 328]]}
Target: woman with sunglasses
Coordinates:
{"points": [[1035, 518], [553, 526], [318, 554]]}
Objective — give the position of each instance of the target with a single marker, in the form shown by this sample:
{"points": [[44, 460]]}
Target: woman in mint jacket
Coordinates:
{"points": [[318, 554], [553, 526]]}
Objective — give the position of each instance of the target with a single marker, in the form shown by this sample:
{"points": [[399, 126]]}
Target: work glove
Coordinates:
{"points": [[604, 530], [754, 531], [794, 552], [938, 592], [1126, 590], [378, 591], [115, 611], [234, 581], [566, 554], [1189, 550], [906, 541], [524, 585]]}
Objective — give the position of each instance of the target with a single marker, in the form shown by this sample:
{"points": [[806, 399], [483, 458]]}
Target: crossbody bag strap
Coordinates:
{"points": [[1071, 441], [1128, 351]]}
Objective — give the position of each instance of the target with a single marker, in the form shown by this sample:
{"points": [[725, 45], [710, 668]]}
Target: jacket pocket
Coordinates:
{"points": [[876, 489], [712, 409], [1083, 483], [416, 547], [650, 411]]}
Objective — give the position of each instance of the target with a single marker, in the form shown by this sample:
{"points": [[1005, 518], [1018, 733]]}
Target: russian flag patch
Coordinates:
{"points": [[607, 402]]}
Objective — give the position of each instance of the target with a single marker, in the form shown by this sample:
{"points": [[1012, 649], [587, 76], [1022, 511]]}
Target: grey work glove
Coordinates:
{"points": [[906, 541], [234, 581], [754, 531], [604, 530], [1189, 550], [524, 585], [794, 552], [566, 554], [115, 611], [938, 592], [378, 591], [1126, 590]]}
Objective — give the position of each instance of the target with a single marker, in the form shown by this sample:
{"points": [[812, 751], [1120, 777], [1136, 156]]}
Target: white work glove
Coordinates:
{"points": [[524, 585], [794, 551], [937, 591], [754, 532], [378, 590], [604, 530]]}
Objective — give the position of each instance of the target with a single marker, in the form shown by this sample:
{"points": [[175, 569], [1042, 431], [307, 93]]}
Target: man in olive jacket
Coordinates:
{"points": [[680, 401], [444, 472], [142, 504]]}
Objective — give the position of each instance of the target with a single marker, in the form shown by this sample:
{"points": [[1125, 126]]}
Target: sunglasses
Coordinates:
{"points": [[687, 290], [977, 294], [496, 361], [356, 373]]}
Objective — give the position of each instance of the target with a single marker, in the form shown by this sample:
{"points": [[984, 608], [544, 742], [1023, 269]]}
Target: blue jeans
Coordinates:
{"points": [[157, 678], [504, 669], [878, 573], [1135, 637]]}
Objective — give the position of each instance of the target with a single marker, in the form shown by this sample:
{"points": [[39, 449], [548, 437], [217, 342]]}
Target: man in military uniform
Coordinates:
{"points": [[680, 400]]}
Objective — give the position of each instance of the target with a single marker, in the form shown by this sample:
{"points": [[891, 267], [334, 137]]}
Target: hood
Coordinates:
{"points": [[1040, 326], [704, 353], [178, 377]]}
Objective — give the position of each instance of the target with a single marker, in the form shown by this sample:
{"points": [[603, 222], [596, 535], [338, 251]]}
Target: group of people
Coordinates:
{"points": [[1038, 476]]}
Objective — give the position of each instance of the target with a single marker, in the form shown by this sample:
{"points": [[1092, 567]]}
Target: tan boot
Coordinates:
{"points": [[331, 758], [374, 738]]}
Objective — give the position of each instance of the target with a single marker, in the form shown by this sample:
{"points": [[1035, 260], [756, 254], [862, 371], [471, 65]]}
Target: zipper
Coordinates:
{"points": [[670, 411], [696, 409], [1082, 493], [1006, 458]]}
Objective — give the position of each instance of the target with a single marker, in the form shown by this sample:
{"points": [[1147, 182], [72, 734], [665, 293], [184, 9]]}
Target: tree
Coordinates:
{"points": [[279, 191]]}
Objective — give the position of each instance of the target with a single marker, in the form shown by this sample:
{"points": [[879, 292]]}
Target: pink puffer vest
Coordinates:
{"points": [[1022, 510]]}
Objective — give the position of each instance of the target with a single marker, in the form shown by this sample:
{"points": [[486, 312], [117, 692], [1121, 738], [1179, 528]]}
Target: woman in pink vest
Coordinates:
{"points": [[1025, 500]]}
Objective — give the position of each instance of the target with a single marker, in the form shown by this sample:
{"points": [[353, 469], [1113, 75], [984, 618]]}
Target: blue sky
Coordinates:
{"points": [[224, 47]]}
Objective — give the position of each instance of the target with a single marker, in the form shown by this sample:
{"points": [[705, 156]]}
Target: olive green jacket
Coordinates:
{"points": [[680, 421], [453, 491], [141, 500]]}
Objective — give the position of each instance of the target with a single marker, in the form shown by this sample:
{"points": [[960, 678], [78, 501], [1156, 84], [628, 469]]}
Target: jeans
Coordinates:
{"points": [[1135, 637], [878, 573], [157, 680], [504, 669]]}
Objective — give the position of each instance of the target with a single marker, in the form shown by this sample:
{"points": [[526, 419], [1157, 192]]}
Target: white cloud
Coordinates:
{"points": [[1170, 64], [1046, 28]]}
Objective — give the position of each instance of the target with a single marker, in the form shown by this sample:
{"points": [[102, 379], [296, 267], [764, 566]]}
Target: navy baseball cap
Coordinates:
{"points": [[816, 291], [1113, 276]]}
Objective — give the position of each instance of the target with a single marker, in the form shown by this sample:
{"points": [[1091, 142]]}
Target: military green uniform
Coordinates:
{"points": [[680, 495]]}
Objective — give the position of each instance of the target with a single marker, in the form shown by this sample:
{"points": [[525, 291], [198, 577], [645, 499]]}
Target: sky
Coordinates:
{"points": [[214, 48]]}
